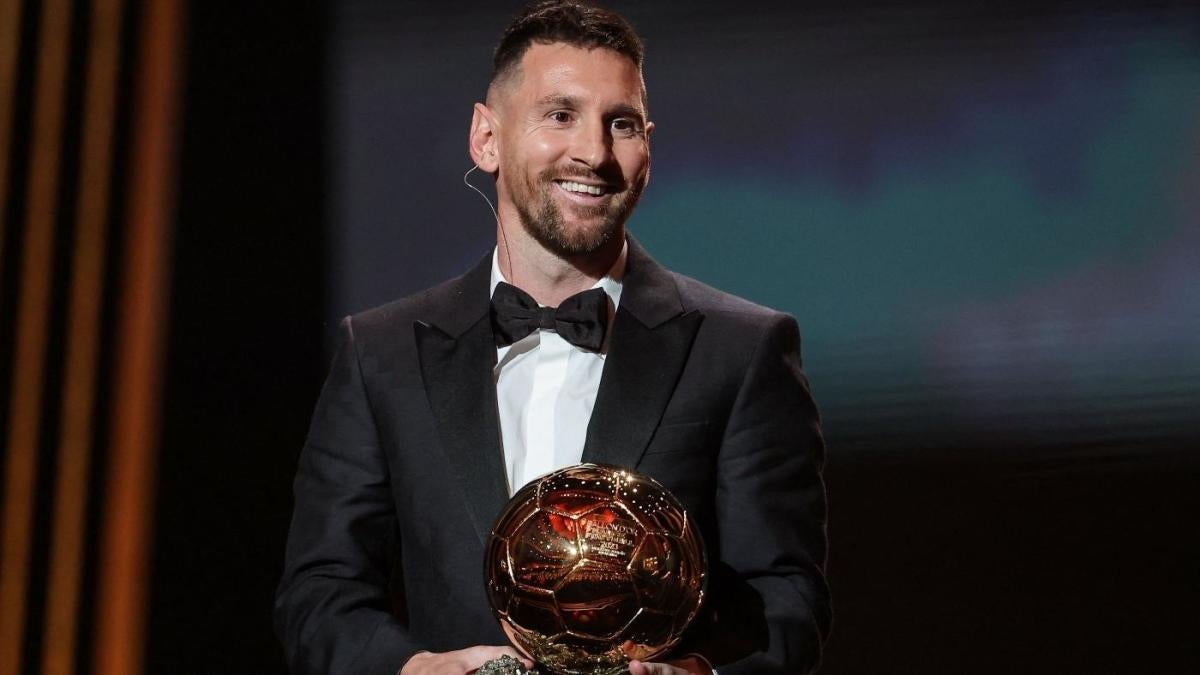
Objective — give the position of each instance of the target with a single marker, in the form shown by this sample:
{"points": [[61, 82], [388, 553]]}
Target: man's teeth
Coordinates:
{"points": [[580, 187]]}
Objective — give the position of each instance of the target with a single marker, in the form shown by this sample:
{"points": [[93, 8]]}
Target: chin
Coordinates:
{"points": [[591, 237]]}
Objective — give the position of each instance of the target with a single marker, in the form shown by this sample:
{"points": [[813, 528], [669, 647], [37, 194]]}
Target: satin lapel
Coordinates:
{"points": [[651, 338], [456, 364], [640, 373]]}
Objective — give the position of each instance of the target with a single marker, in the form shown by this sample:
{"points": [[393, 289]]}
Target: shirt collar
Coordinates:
{"points": [[612, 283]]}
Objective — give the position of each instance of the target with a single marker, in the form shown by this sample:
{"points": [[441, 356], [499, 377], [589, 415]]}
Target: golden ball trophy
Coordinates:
{"points": [[590, 567]]}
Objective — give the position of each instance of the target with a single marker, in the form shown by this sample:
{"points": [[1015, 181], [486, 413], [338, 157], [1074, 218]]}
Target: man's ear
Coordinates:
{"points": [[649, 130], [482, 143]]}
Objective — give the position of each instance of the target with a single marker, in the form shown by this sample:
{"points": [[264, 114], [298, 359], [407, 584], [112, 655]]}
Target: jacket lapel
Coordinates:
{"points": [[457, 354], [651, 337]]}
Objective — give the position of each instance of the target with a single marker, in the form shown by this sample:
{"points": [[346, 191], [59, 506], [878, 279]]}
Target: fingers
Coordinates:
{"points": [[458, 662], [694, 663], [639, 668]]}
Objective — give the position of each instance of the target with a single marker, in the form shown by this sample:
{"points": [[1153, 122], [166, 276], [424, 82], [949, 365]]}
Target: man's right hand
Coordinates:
{"points": [[461, 662]]}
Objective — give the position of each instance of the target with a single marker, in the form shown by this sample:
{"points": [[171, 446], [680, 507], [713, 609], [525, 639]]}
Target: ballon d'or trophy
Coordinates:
{"points": [[590, 567]]}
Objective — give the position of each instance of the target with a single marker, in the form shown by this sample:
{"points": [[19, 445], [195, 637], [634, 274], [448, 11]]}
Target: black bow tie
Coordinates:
{"points": [[580, 319]]}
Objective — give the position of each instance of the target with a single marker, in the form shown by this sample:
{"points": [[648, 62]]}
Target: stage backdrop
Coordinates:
{"points": [[982, 220], [987, 221]]}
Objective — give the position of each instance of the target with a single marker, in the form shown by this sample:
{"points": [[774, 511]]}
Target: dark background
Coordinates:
{"points": [[985, 218]]}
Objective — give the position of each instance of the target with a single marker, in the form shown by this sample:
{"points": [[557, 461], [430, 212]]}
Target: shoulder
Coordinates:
{"points": [[726, 308], [404, 311], [735, 333], [452, 306], [389, 328]]}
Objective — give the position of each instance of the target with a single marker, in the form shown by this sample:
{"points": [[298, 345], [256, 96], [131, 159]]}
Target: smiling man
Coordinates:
{"points": [[441, 405]]}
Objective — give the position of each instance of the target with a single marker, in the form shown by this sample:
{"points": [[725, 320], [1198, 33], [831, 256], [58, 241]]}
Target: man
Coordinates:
{"points": [[440, 405]]}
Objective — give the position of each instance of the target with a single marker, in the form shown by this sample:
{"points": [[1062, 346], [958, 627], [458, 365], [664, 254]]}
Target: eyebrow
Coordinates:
{"points": [[567, 101], [560, 99]]}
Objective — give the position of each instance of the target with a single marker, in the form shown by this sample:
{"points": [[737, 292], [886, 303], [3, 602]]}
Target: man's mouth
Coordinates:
{"points": [[585, 190]]}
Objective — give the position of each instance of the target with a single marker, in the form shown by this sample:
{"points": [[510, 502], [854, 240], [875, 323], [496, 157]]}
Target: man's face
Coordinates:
{"points": [[573, 145]]}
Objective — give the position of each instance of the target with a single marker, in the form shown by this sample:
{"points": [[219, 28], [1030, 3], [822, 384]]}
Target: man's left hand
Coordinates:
{"points": [[686, 666]]}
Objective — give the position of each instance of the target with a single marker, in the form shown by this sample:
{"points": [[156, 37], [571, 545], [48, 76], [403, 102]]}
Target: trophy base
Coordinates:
{"points": [[507, 665]]}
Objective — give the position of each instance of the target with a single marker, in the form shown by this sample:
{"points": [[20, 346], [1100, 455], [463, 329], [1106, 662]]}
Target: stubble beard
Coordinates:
{"points": [[546, 224]]}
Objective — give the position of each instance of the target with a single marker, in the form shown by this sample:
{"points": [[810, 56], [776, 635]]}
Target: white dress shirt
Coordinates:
{"points": [[546, 387]]}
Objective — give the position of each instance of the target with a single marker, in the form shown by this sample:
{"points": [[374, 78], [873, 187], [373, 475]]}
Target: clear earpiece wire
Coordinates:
{"points": [[481, 194], [503, 235]]}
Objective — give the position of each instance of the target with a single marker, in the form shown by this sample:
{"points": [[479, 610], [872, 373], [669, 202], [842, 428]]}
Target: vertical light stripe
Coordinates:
{"points": [[10, 46], [83, 337], [141, 329], [33, 310]]}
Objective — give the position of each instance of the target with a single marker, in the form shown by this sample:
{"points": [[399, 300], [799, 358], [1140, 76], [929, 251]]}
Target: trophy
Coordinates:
{"points": [[590, 567]]}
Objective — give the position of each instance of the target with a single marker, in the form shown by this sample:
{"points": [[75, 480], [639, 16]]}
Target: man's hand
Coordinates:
{"points": [[459, 662], [686, 666]]}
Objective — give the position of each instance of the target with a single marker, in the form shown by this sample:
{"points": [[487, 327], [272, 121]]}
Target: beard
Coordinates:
{"points": [[543, 220]]}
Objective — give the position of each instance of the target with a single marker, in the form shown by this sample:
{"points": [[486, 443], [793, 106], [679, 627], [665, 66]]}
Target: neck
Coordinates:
{"points": [[547, 276]]}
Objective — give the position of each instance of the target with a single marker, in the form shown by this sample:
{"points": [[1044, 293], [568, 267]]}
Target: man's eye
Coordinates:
{"points": [[560, 116], [624, 126]]}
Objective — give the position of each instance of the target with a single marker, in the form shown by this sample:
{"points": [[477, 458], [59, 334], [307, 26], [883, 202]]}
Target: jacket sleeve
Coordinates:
{"points": [[332, 606], [770, 611]]}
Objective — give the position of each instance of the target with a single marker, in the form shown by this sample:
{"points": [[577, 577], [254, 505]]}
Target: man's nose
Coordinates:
{"points": [[592, 144]]}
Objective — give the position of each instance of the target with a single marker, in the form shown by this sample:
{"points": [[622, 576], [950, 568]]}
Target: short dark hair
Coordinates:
{"points": [[573, 22]]}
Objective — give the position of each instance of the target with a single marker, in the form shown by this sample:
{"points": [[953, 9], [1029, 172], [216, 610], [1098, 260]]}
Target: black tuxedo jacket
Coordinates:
{"points": [[402, 474]]}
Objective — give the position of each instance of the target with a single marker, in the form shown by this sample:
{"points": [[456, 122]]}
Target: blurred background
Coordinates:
{"points": [[985, 216]]}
